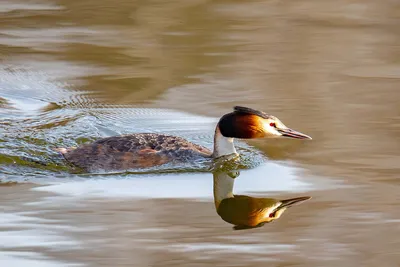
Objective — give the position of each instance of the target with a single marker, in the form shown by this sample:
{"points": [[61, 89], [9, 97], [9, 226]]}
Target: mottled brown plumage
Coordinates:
{"points": [[134, 151]]}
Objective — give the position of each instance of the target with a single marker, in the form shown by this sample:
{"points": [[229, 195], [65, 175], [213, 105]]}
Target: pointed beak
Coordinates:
{"points": [[287, 132]]}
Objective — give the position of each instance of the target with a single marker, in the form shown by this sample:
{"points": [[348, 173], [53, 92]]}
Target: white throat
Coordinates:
{"points": [[223, 146], [223, 187]]}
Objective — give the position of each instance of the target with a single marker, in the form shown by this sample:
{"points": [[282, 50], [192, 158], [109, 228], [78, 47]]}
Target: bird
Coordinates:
{"points": [[245, 212], [144, 150]]}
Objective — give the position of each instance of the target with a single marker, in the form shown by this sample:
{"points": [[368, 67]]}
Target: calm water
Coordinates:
{"points": [[73, 71]]}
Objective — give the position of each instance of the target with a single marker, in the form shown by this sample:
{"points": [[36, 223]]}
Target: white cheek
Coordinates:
{"points": [[267, 128], [275, 132], [270, 131], [278, 133]]}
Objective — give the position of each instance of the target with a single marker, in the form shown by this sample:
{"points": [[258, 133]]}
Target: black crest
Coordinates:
{"points": [[251, 111]]}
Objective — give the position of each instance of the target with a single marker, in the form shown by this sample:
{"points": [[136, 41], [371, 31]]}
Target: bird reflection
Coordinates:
{"points": [[246, 212]]}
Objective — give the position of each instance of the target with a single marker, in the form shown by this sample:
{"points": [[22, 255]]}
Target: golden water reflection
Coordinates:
{"points": [[246, 212]]}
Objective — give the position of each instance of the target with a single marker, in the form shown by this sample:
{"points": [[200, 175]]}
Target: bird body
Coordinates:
{"points": [[135, 151], [143, 150]]}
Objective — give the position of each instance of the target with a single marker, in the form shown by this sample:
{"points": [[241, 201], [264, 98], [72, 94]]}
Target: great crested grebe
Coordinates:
{"points": [[142, 150], [245, 211]]}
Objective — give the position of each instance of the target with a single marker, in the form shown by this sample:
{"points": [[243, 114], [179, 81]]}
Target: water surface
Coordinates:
{"points": [[74, 71]]}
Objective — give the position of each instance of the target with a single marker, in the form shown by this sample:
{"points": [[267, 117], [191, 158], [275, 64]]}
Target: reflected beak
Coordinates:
{"points": [[286, 203], [293, 134]]}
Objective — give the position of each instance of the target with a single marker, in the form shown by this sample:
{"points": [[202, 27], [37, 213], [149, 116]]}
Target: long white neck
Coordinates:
{"points": [[223, 187], [222, 145]]}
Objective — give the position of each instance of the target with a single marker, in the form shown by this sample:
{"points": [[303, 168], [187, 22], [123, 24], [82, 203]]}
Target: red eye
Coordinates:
{"points": [[272, 124]]}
